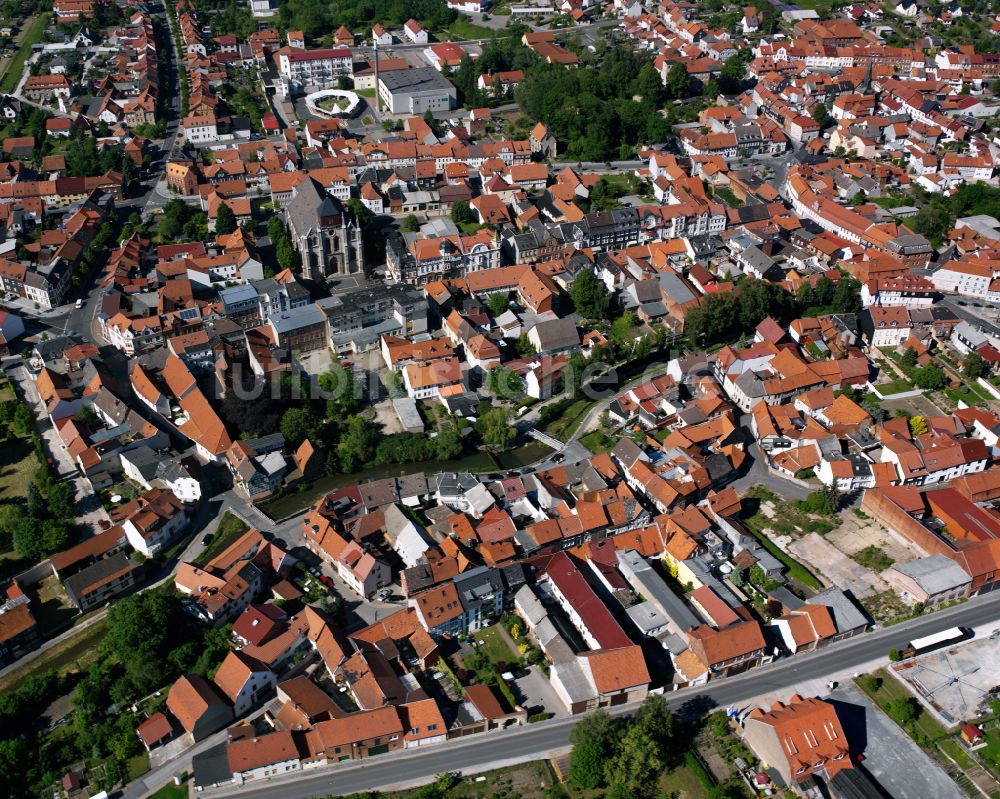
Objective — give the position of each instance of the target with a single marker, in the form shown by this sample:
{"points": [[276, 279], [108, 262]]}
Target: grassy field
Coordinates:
{"points": [[74, 654], [34, 36], [522, 456], [230, 528], [17, 466], [889, 690]]}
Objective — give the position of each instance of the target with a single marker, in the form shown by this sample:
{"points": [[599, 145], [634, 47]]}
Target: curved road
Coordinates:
{"points": [[484, 752]]}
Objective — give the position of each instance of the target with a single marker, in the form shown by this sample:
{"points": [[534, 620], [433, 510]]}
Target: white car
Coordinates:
{"points": [[78, 305]]}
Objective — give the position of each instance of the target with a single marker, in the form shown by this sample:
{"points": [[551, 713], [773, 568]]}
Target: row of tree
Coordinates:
{"points": [[725, 316], [318, 18]]}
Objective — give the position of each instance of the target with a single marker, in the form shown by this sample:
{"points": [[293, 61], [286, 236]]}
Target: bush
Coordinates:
{"points": [[542, 716], [870, 683], [895, 655]]}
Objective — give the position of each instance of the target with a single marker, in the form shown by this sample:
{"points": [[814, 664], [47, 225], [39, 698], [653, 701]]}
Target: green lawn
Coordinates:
{"points": [[564, 425], [682, 783], [17, 468], [139, 765], [171, 791], [16, 67], [494, 645], [464, 28], [897, 386], [230, 528], [598, 442]]}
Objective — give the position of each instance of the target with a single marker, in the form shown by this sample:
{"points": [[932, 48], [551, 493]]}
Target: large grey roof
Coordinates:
{"points": [[297, 318], [935, 574]]}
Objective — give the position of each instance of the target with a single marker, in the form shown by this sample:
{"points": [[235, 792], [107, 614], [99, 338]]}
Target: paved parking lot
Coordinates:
{"points": [[535, 692], [833, 564], [953, 682]]}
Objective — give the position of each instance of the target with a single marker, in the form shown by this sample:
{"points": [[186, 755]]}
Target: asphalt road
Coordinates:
{"points": [[480, 753]]}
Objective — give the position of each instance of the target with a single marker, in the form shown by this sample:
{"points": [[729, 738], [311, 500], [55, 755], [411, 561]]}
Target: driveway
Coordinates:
{"points": [[535, 692], [902, 769]]}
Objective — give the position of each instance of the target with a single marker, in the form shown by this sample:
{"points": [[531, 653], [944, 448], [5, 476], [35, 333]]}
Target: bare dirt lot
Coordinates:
{"points": [[823, 557], [856, 534]]}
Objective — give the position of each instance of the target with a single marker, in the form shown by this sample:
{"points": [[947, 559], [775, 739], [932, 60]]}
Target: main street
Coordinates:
{"points": [[535, 741]]}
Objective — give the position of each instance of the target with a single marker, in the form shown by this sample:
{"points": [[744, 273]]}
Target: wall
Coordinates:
{"points": [[883, 510]]}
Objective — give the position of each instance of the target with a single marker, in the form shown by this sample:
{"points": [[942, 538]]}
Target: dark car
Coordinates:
{"points": [[206, 540]]}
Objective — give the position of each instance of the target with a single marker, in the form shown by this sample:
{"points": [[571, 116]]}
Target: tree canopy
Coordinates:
{"points": [[592, 112], [590, 296]]}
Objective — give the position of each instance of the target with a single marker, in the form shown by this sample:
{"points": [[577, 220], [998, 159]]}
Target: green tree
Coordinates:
{"points": [[590, 296], [820, 114], [918, 425], [495, 429], [142, 630], [498, 303], [594, 739], [357, 444], [341, 389], [524, 347], [298, 424], [730, 80], [225, 220], [504, 383], [678, 81], [903, 710], [930, 377], [633, 771], [411, 224], [909, 358], [622, 335], [448, 442], [973, 366], [24, 420], [823, 502], [461, 213]]}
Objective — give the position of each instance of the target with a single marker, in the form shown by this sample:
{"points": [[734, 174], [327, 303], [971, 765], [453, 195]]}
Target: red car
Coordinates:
{"points": [[346, 364], [326, 581]]}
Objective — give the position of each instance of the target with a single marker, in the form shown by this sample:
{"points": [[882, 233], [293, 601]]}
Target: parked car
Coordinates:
{"points": [[78, 304], [206, 540]]}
